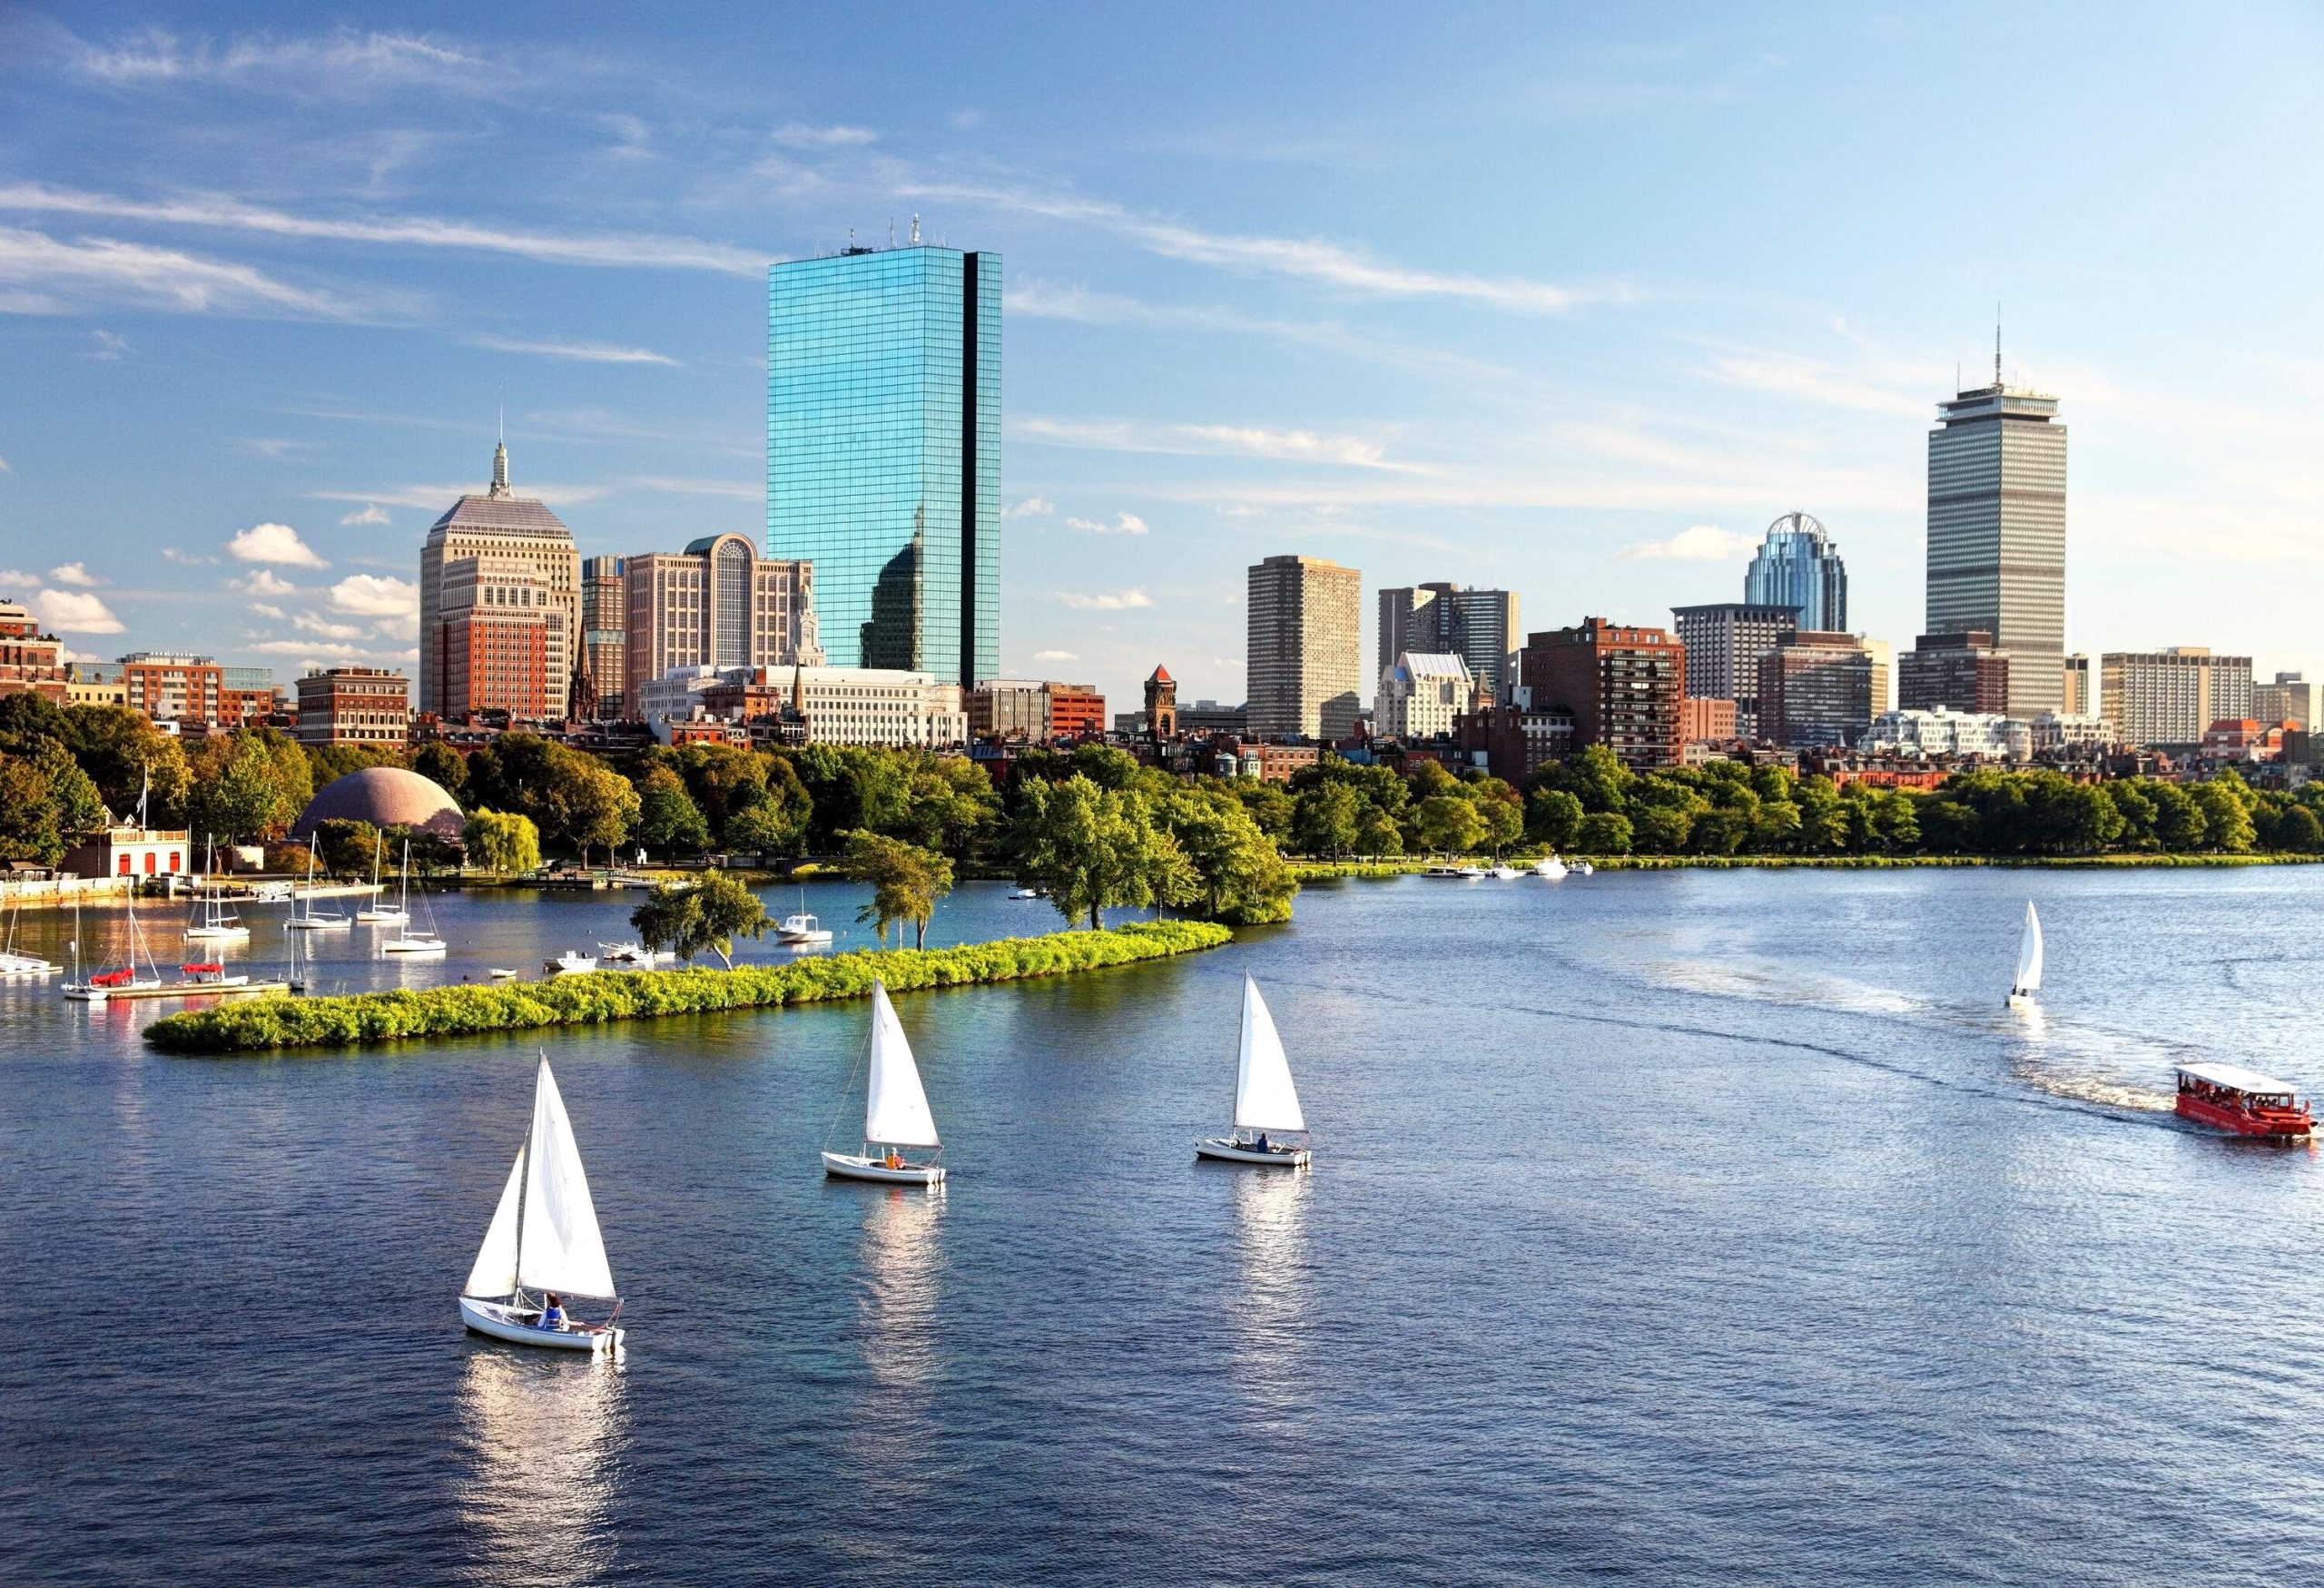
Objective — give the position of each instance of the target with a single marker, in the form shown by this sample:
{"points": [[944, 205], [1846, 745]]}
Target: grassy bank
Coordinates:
{"points": [[1313, 870], [269, 1024]]}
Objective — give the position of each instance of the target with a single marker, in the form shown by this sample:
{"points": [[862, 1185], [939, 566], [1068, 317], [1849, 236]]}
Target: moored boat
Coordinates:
{"points": [[633, 956], [543, 1245], [1550, 866], [571, 962], [2029, 961], [2228, 1097], [801, 930], [1507, 873], [895, 1110], [214, 921], [376, 913], [1266, 1104], [121, 983], [306, 917]]}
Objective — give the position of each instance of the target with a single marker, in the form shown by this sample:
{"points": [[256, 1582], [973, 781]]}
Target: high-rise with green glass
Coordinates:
{"points": [[884, 452]]}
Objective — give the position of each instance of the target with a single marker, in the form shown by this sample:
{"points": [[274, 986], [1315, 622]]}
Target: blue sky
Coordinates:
{"points": [[1571, 300]]}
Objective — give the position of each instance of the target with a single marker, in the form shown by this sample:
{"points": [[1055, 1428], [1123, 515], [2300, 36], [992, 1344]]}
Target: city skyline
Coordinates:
{"points": [[299, 339]]}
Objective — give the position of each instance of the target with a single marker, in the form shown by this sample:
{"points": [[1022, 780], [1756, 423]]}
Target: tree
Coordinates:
{"points": [[906, 882], [2227, 822], [441, 765], [2179, 825], [241, 790], [1376, 834], [346, 848], [589, 804], [1553, 816], [1719, 831], [1604, 832], [1504, 822], [27, 818], [707, 915], [119, 750], [1237, 874], [667, 817], [2298, 831], [328, 763], [1271, 804], [1446, 824], [504, 842], [71, 795], [762, 829], [1660, 829], [1095, 849], [1325, 818]]}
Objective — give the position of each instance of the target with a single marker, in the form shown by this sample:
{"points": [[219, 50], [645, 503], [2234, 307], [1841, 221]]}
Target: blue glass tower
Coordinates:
{"points": [[884, 452], [1798, 566]]}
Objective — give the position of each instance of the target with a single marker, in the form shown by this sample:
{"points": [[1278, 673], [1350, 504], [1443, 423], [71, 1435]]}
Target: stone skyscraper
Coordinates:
{"points": [[1305, 648], [1997, 533], [517, 534]]}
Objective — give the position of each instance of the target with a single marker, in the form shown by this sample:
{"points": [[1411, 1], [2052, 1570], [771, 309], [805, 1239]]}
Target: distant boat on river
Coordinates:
{"points": [[1267, 1105], [895, 1110], [2029, 961]]}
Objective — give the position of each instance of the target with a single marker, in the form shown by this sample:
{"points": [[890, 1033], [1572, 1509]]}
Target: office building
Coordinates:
{"points": [[604, 673], [2291, 699], [31, 662], [354, 706], [883, 451], [1724, 640], [1480, 627], [170, 686], [2172, 697], [1966, 672], [1817, 690], [1420, 695], [493, 618], [1997, 533], [716, 604], [93, 683], [842, 705], [1513, 740], [2079, 686], [247, 696], [1943, 731], [1305, 648], [1797, 567], [1034, 710], [1621, 685], [1705, 719], [500, 524]]}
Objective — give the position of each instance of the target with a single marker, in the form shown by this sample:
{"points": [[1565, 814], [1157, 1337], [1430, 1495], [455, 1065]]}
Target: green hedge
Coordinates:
{"points": [[266, 1024]]}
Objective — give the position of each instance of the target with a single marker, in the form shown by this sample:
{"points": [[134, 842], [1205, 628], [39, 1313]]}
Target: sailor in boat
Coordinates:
{"points": [[552, 1313]]}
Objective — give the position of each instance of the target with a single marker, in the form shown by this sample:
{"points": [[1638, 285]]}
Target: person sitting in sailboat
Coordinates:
{"points": [[552, 1313]]}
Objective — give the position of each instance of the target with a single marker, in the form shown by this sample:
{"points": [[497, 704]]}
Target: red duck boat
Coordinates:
{"points": [[2228, 1097]]}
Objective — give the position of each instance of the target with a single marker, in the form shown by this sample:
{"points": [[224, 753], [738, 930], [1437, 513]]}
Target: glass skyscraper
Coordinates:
{"points": [[1798, 566], [884, 452]]}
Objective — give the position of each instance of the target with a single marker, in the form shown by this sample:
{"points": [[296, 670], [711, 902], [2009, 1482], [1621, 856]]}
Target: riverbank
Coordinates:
{"points": [[1322, 870], [361, 1019]]}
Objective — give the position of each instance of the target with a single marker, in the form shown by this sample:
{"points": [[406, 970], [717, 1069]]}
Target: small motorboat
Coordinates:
{"points": [[543, 1243], [1469, 873], [498, 974], [1267, 1105], [895, 1110], [1506, 873], [801, 930], [571, 962], [2228, 1097], [631, 956], [2029, 961], [1029, 893], [1550, 866], [1582, 868]]}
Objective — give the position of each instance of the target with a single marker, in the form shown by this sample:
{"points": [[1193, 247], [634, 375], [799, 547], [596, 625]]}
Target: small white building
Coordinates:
{"points": [[1942, 731], [1421, 695], [2074, 731], [844, 705]]}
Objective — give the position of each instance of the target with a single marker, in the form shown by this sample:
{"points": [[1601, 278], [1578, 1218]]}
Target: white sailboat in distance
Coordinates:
{"points": [[2029, 961], [1267, 1105], [895, 1110], [544, 1247], [409, 942], [376, 913]]}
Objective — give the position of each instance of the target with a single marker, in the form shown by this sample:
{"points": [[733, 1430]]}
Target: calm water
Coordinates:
{"points": [[1684, 1227]]}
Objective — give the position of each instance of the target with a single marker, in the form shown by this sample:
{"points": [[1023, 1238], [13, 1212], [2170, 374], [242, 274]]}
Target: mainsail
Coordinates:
{"points": [[558, 1245], [895, 1108], [1265, 1098], [2029, 953]]}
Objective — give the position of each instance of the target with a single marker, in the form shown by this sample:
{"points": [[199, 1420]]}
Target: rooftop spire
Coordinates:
{"points": [[500, 469], [1997, 346]]}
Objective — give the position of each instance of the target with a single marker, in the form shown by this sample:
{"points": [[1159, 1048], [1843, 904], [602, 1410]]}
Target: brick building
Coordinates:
{"points": [[1966, 671], [1621, 685], [494, 622], [31, 662], [354, 706]]}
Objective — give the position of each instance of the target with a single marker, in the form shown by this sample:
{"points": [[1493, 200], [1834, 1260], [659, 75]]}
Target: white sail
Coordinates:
{"points": [[895, 1108], [1265, 1098], [494, 1273], [2029, 953], [562, 1248]]}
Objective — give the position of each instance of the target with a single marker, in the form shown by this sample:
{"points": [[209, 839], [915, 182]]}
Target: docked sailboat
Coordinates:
{"points": [[13, 963], [307, 918], [1267, 1105], [123, 981], [376, 913], [2029, 961], [409, 942], [214, 921], [543, 1247], [1506, 873], [895, 1110]]}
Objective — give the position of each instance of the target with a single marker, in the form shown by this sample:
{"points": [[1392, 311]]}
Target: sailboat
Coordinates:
{"points": [[307, 918], [376, 913], [2029, 961], [543, 1241], [895, 1110], [214, 922], [100, 985], [409, 942], [1267, 1105], [13, 963]]}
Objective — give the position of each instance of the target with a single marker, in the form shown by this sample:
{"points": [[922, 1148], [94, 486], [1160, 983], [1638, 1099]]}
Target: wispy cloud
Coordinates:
{"points": [[1124, 524], [276, 543], [270, 446], [1105, 601], [262, 582], [732, 490], [1697, 542], [1055, 657], [801, 135], [310, 623], [341, 62], [583, 352], [109, 345], [1233, 440], [185, 558], [619, 249], [374, 514], [1030, 508], [111, 270]]}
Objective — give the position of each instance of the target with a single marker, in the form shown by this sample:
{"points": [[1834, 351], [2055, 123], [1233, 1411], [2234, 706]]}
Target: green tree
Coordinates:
{"points": [[441, 765], [241, 793], [1553, 816], [1095, 849], [1445, 823], [71, 795], [590, 805], [710, 914], [27, 816], [2227, 822], [2298, 831], [2179, 823], [1237, 874], [1604, 832], [906, 881], [1324, 819], [345, 849], [1504, 822], [1270, 804], [1660, 829], [503, 843], [1720, 830], [667, 817], [1376, 834], [119, 750]]}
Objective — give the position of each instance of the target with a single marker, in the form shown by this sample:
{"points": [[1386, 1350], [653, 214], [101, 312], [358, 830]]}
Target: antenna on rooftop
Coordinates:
{"points": [[891, 232], [915, 231], [1997, 344]]}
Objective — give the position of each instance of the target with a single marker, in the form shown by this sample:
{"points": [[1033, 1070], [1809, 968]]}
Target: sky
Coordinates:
{"points": [[1573, 300]]}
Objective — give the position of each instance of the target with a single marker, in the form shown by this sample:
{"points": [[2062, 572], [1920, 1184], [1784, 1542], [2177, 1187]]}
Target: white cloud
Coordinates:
{"points": [[262, 582], [110, 345], [72, 612], [270, 447], [398, 230], [967, 119], [1126, 524], [340, 61], [276, 543], [1206, 440], [406, 627], [1698, 542], [371, 595], [16, 579], [187, 558], [308, 623], [74, 572], [582, 352], [1106, 601], [1055, 657], [374, 514], [265, 610], [1030, 508], [799, 135], [158, 278]]}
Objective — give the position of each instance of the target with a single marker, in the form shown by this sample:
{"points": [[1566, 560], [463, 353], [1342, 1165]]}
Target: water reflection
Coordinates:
{"points": [[898, 1258], [541, 1433], [1269, 1307]]}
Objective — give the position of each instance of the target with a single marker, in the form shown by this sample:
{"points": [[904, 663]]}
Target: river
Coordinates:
{"points": [[1664, 1227]]}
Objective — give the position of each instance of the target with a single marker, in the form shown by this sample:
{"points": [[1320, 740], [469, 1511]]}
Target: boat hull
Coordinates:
{"points": [[216, 933], [2269, 1125], [1235, 1152], [849, 1166], [382, 917], [506, 1323], [411, 948], [2021, 1000]]}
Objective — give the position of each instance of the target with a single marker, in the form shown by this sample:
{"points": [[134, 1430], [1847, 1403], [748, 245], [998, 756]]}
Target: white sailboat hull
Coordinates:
{"points": [[25, 965], [1225, 1151], [2021, 1000], [216, 933], [412, 945], [382, 917], [850, 1166], [504, 1322], [319, 924]]}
